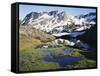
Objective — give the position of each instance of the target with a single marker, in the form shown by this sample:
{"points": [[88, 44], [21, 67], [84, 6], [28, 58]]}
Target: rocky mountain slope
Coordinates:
{"points": [[31, 37], [56, 22]]}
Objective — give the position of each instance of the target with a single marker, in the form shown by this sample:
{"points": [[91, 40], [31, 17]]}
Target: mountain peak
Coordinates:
{"points": [[53, 13], [58, 20]]}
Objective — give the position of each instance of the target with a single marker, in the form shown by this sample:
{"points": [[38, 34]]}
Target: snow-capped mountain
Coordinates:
{"points": [[89, 18], [56, 22]]}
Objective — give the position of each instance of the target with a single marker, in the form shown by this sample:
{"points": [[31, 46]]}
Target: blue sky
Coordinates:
{"points": [[26, 9]]}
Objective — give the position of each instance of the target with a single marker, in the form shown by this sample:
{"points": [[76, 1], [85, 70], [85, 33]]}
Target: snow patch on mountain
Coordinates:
{"points": [[56, 22], [71, 34]]}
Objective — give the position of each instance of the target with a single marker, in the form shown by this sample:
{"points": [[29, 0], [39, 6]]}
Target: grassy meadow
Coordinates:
{"points": [[30, 52]]}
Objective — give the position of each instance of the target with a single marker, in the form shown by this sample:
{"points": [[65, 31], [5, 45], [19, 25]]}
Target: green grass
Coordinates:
{"points": [[74, 48], [85, 64], [39, 65], [30, 60], [27, 42], [58, 53], [77, 54]]}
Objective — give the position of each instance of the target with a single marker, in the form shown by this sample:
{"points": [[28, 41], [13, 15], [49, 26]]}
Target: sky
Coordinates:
{"points": [[26, 9]]}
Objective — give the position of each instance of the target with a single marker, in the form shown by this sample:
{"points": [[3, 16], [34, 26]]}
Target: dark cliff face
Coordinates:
{"points": [[53, 13], [90, 36], [89, 17], [33, 15]]}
